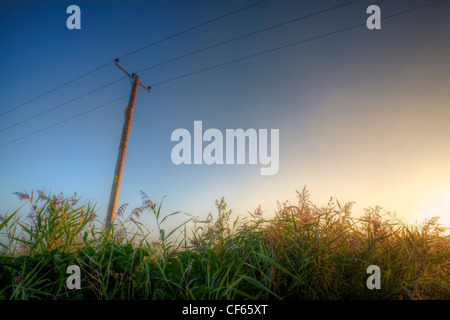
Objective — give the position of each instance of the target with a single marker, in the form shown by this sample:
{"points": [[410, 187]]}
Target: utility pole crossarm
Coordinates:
{"points": [[116, 62]]}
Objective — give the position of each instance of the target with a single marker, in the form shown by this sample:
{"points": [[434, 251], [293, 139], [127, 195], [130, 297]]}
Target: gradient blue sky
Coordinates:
{"points": [[363, 115]]}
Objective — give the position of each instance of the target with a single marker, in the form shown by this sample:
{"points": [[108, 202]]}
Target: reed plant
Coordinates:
{"points": [[302, 252]]}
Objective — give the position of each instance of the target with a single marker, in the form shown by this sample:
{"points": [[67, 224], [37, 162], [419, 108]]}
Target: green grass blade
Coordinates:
{"points": [[259, 285]]}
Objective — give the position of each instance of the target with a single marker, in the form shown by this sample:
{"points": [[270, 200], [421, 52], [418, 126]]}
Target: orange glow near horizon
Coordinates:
{"points": [[435, 204]]}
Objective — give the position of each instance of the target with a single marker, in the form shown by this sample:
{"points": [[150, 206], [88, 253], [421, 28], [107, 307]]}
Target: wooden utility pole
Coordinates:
{"points": [[121, 157], [128, 113]]}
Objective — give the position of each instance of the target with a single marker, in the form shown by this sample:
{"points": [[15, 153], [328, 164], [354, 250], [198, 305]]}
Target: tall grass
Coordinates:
{"points": [[303, 252]]}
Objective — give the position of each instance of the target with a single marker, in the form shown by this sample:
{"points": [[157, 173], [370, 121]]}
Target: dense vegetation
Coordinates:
{"points": [[303, 252]]}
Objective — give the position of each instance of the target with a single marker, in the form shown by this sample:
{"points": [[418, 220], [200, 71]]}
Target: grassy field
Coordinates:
{"points": [[303, 252]]}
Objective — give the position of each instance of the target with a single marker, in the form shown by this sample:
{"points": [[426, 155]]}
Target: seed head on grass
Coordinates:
{"points": [[121, 210], [21, 195]]}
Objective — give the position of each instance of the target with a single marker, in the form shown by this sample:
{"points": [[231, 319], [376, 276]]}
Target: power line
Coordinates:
{"points": [[229, 62], [133, 52], [192, 28], [186, 55], [62, 104], [292, 44], [52, 90], [65, 120], [247, 35]]}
